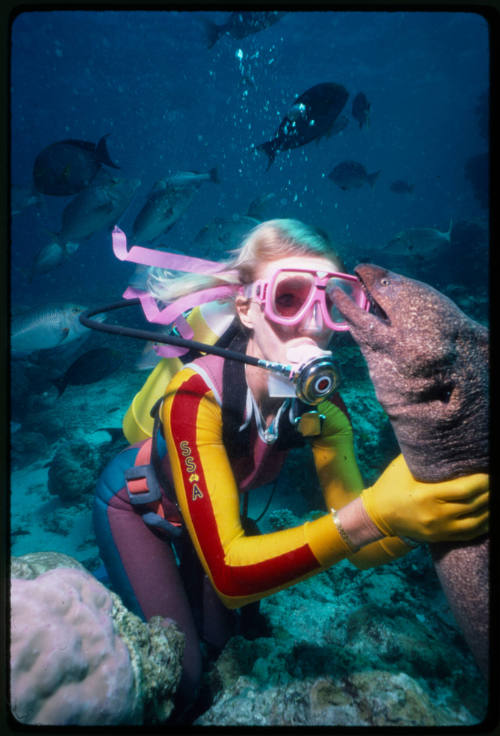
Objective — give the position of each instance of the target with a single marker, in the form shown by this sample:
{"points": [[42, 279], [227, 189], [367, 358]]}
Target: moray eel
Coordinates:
{"points": [[429, 364]]}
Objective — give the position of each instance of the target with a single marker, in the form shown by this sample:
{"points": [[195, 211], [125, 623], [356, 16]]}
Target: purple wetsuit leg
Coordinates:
{"points": [[142, 568]]}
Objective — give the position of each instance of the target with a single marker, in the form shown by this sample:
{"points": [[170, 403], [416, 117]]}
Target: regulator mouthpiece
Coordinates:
{"points": [[312, 381], [315, 380]]}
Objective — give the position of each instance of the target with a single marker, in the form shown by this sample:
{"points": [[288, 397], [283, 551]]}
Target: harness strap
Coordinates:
{"points": [[144, 489]]}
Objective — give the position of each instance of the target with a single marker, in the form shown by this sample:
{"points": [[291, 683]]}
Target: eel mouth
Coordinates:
{"points": [[375, 307]]}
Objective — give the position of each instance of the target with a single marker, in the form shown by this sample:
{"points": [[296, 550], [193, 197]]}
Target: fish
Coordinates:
{"points": [[98, 207], [419, 241], [21, 198], [224, 233], [66, 167], [311, 116], [92, 366], [429, 364], [45, 328], [50, 256], [361, 109], [241, 24], [401, 187], [339, 125], [167, 201], [260, 205], [352, 175], [148, 359]]}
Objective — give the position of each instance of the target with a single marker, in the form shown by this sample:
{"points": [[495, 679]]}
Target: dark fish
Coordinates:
{"points": [[361, 109], [352, 175], [92, 366], [429, 364], [312, 115], [67, 167], [98, 207], [241, 24], [167, 201], [401, 187]]}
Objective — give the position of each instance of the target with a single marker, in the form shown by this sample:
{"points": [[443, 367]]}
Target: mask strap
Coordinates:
{"points": [[172, 312], [160, 258]]}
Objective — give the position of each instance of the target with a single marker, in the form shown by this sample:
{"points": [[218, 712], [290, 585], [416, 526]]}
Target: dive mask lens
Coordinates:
{"points": [[290, 292], [352, 288]]}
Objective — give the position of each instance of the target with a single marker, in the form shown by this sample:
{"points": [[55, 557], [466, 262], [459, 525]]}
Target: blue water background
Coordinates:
{"points": [[168, 102]]}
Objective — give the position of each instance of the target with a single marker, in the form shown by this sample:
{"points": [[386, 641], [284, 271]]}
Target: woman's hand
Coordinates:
{"points": [[451, 510]]}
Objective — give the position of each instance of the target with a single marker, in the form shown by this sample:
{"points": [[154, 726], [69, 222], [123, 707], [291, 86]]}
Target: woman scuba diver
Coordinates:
{"points": [[176, 541]]}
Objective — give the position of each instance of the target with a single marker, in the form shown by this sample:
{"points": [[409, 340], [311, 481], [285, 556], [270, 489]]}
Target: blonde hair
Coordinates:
{"points": [[269, 241]]}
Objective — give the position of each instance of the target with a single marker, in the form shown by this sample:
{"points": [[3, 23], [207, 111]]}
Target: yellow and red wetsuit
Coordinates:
{"points": [[214, 452], [208, 483]]}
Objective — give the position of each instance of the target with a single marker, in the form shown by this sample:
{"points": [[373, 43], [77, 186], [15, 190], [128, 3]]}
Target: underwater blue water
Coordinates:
{"points": [[168, 102]]}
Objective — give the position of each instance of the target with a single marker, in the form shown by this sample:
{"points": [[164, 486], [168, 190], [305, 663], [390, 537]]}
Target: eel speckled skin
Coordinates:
{"points": [[429, 364]]}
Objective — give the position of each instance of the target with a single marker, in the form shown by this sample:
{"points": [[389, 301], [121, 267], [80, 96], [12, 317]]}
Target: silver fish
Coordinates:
{"points": [[22, 198], [50, 256], [97, 207], [45, 328], [167, 201], [418, 241]]}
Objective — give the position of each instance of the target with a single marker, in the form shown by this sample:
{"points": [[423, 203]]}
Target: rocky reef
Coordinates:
{"points": [[351, 647]]}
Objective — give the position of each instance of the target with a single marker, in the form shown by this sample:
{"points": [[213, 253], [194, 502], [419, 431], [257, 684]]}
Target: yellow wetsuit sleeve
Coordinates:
{"points": [[242, 568], [341, 481]]}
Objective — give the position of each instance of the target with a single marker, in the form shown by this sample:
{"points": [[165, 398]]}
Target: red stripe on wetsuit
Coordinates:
{"points": [[241, 580]]}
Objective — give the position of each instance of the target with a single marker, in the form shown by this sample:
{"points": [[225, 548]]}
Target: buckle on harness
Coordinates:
{"points": [[147, 491], [173, 529]]}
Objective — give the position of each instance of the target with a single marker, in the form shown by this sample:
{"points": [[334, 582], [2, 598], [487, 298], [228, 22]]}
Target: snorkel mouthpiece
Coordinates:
{"points": [[313, 381]]}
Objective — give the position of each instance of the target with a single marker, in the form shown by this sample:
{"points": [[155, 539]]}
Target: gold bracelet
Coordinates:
{"points": [[342, 532]]}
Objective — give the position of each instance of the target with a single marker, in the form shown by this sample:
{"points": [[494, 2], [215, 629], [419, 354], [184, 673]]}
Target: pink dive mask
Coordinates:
{"points": [[292, 294]]}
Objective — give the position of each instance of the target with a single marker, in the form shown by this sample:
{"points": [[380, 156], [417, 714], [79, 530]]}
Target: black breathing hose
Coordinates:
{"points": [[151, 336]]}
